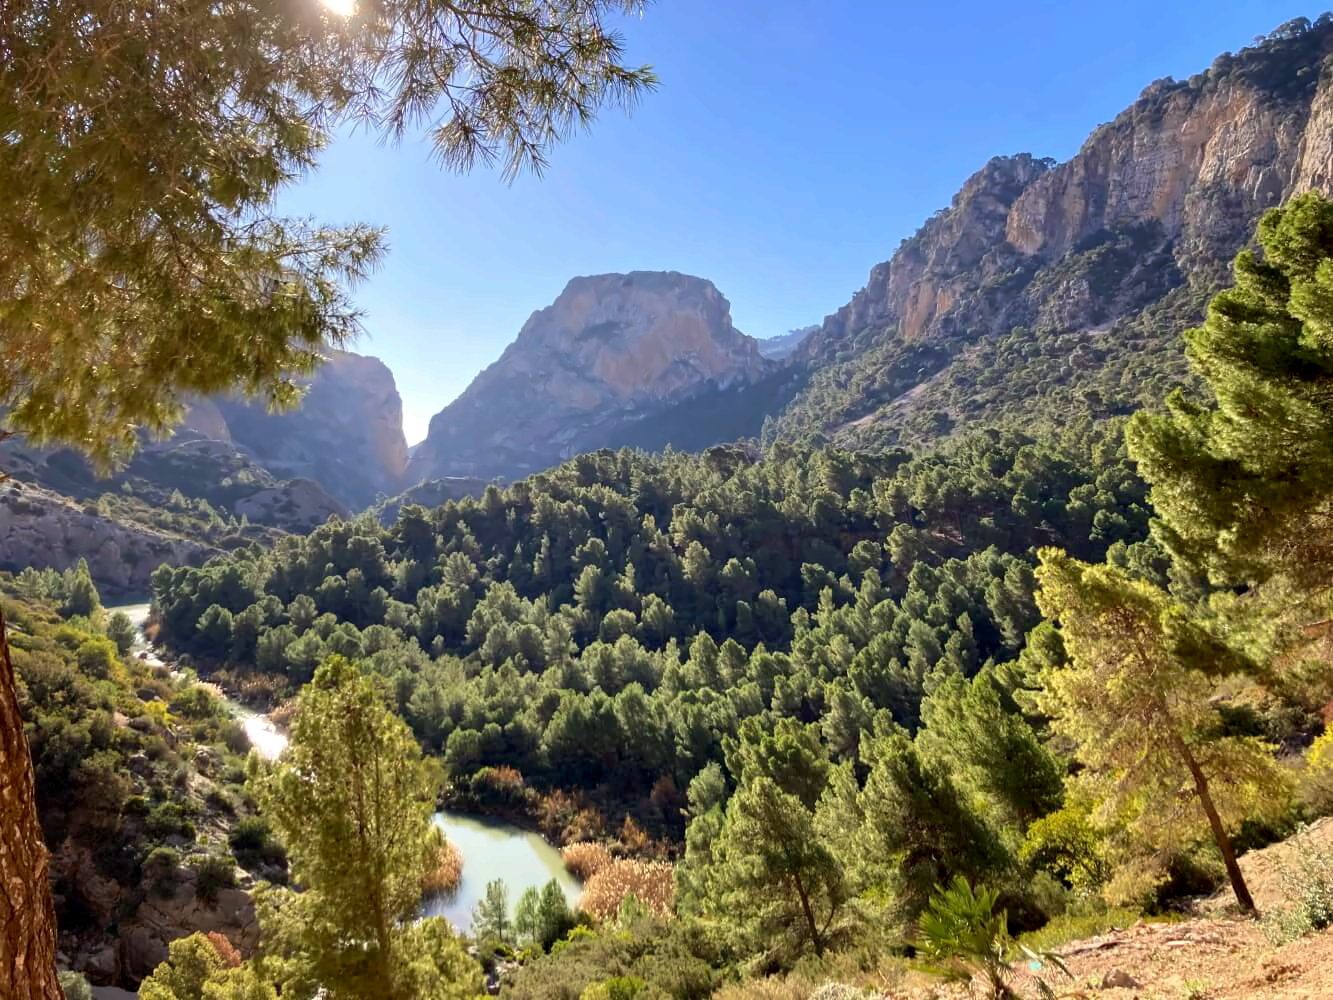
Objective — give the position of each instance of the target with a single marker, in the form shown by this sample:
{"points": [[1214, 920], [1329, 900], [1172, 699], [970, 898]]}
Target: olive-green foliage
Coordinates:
{"points": [[675, 960], [1241, 481], [490, 918], [75, 986], [962, 934], [1135, 702], [351, 800], [771, 879], [824, 587], [106, 777], [121, 631], [172, 275], [194, 970], [543, 916], [917, 830]]}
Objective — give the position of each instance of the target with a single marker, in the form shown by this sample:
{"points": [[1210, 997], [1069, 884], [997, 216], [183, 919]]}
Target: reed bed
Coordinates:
{"points": [[585, 859], [445, 870], [652, 883]]}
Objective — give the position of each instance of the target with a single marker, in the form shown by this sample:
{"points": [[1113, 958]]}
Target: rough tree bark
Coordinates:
{"points": [[27, 915]]}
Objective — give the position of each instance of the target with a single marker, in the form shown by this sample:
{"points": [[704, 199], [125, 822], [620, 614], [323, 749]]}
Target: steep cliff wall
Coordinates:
{"points": [[347, 434], [1150, 211]]}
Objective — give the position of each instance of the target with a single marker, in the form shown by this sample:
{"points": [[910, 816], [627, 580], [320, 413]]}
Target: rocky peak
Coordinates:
{"points": [[611, 348]]}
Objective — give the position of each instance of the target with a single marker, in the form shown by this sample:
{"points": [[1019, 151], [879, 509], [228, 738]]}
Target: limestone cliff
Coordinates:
{"points": [[42, 529], [612, 355], [1156, 201], [347, 434]]}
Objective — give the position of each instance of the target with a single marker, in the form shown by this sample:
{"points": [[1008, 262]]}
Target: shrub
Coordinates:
{"points": [[1308, 883], [167, 819], [615, 988], [963, 936], [841, 991], [652, 883], [75, 987], [585, 859], [252, 843], [231, 958], [162, 870], [499, 786], [212, 875]]}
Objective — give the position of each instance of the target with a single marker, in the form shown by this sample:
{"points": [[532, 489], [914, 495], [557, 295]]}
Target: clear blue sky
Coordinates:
{"points": [[790, 147]]}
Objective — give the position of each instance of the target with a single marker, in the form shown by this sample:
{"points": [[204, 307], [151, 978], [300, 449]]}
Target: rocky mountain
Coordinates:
{"points": [[42, 529], [613, 361], [1044, 292], [1047, 290], [347, 435]]}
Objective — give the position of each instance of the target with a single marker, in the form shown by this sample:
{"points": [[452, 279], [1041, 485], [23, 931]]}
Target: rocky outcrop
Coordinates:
{"points": [[39, 528], [611, 353], [296, 505], [1160, 197], [146, 918], [347, 434]]}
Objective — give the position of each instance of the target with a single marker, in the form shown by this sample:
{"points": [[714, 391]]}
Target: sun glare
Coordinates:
{"points": [[343, 8]]}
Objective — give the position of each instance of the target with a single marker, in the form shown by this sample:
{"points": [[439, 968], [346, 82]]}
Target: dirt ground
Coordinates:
{"points": [[1215, 956]]}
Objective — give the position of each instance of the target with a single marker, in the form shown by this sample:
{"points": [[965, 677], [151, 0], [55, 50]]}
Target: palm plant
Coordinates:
{"points": [[962, 937]]}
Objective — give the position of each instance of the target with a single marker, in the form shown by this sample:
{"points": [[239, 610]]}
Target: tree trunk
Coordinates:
{"points": [[815, 936], [27, 915], [1224, 845]]}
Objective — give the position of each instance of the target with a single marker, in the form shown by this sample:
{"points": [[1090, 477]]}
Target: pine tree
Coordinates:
{"points": [[491, 916], [770, 876], [352, 800], [1135, 701], [1243, 484], [918, 830]]}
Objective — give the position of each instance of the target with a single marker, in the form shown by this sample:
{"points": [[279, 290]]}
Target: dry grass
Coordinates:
{"points": [[282, 715], [650, 882], [585, 859], [445, 870]]}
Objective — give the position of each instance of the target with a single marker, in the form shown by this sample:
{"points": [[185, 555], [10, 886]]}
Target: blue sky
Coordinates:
{"points": [[789, 149]]}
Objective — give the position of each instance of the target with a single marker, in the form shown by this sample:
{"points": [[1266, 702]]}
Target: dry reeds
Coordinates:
{"points": [[585, 859], [444, 869], [282, 715], [650, 882]]}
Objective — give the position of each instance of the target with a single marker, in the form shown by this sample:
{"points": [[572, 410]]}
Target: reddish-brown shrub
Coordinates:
{"points": [[225, 949], [445, 869]]}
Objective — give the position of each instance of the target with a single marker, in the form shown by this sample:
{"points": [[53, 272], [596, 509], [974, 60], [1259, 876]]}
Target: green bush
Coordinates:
{"points": [[252, 843], [167, 819], [162, 870], [1308, 883], [212, 875], [75, 987]]}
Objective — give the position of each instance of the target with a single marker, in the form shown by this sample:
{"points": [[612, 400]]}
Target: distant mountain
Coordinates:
{"points": [[617, 359], [347, 434], [231, 475], [784, 345]]}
